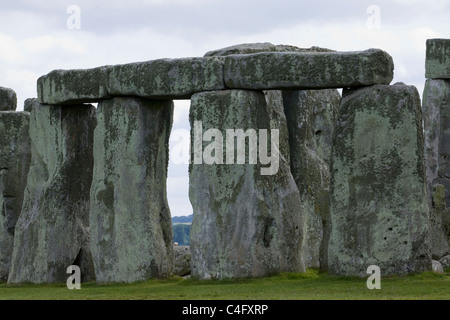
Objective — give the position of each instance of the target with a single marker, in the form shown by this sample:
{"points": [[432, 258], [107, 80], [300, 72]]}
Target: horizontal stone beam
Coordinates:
{"points": [[168, 79], [308, 70], [159, 79], [437, 65]]}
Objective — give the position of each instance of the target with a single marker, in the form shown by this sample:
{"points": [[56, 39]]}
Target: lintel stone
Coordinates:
{"points": [[158, 79], [308, 70], [437, 64]]}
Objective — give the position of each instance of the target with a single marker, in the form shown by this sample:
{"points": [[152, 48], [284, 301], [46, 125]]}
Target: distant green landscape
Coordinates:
{"points": [[181, 229]]}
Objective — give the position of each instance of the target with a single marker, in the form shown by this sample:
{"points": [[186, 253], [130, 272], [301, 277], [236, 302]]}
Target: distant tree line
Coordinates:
{"points": [[182, 229]]}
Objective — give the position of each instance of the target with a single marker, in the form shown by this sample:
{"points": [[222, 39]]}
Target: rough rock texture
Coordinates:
{"points": [[29, 103], [440, 224], [52, 231], [8, 99], [131, 229], [15, 158], [379, 207], [163, 78], [310, 118], [437, 65], [182, 261], [74, 86], [436, 119], [249, 48], [245, 223], [308, 70], [437, 267], [445, 261]]}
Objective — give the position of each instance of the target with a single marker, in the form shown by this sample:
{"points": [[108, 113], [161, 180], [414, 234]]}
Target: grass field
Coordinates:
{"points": [[310, 285]]}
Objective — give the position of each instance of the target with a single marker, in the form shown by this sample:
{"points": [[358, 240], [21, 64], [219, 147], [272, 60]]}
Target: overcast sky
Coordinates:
{"points": [[37, 36]]}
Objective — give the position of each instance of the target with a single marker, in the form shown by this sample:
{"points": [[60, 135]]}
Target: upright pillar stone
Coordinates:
{"points": [[436, 119], [436, 110], [15, 157], [52, 231], [130, 218], [379, 208], [248, 219], [310, 117], [439, 224]]}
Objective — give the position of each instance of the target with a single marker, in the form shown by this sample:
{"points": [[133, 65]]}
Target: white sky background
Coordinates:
{"points": [[35, 39]]}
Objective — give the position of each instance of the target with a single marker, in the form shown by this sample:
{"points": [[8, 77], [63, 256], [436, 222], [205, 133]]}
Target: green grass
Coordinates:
{"points": [[288, 286]]}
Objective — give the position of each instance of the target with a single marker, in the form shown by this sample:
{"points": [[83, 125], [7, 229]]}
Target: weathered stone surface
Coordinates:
{"points": [[182, 261], [437, 64], [310, 118], [249, 48], [437, 267], [436, 119], [29, 103], [74, 86], [440, 224], [52, 231], [308, 70], [8, 99], [246, 221], [445, 261], [379, 207], [131, 230], [15, 158], [157, 79], [310, 121]]}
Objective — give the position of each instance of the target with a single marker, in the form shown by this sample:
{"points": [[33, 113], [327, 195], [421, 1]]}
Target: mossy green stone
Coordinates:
{"points": [[52, 231], [379, 207], [308, 70], [167, 78], [15, 158], [311, 115], [8, 99], [436, 119], [437, 64], [131, 229], [157, 79], [245, 224], [439, 224], [73, 86]]}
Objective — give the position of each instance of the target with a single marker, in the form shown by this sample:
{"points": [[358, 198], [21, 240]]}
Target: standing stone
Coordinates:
{"points": [[379, 208], [436, 119], [437, 64], [310, 118], [439, 224], [15, 155], [130, 218], [29, 103], [52, 232], [8, 99], [248, 220]]}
